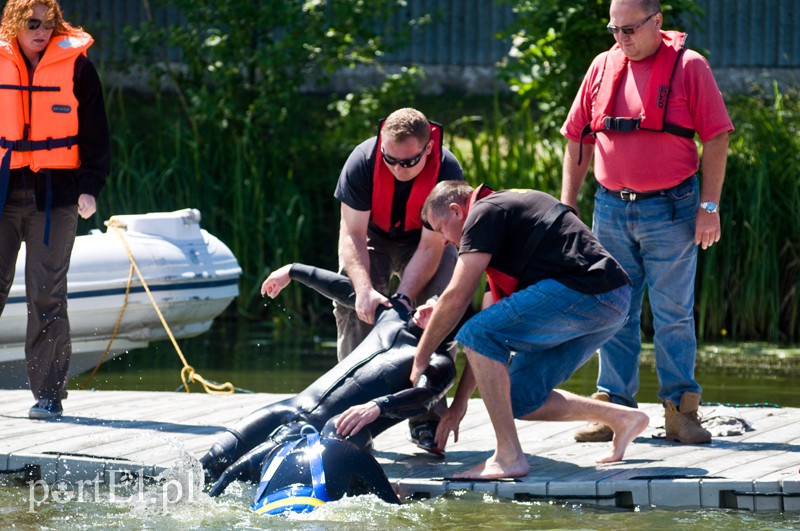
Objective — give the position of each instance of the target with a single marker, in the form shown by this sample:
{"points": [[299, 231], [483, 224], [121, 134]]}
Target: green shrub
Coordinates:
{"points": [[236, 130], [749, 283]]}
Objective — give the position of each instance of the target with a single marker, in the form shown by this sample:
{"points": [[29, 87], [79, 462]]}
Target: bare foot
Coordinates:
{"points": [[626, 427], [493, 468]]}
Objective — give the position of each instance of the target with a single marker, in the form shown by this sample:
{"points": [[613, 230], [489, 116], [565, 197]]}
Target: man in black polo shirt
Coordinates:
{"points": [[556, 296], [381, 188]]}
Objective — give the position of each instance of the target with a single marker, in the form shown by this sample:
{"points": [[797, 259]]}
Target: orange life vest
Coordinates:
{"points": [[383, 186], [40, 113]]}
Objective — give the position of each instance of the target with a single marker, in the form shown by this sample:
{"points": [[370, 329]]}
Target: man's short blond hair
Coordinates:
{"points": [[407, 123], [442, 196]]}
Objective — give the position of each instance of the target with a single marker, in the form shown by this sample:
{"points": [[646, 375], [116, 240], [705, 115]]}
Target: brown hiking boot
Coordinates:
{"points": [[596, 432], [682, 424]]}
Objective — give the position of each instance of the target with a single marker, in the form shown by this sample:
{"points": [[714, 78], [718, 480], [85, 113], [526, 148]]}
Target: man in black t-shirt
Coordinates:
{"points": [[382, 187], [556, 296]]}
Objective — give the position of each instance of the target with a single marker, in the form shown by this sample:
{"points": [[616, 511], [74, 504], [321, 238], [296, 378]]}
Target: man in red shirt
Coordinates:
{"points": [[637, 112]]}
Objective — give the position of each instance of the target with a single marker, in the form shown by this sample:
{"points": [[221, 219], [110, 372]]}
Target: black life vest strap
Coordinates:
{"points": [[587, 130], [30, 88], [38, 145], [678, 130], [623, 125], [32, 145], [626, 125]]}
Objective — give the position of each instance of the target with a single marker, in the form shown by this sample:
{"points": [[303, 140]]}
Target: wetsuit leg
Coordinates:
{"points": [[246, 435], [220, 456], [246, 468]]}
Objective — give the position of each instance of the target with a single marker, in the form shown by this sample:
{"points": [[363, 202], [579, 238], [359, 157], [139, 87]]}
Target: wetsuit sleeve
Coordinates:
{"points": [[246, 468], [432, 386], [336, 287]]}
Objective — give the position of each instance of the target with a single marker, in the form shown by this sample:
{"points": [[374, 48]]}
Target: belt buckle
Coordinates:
{"points": [[627, 195]]}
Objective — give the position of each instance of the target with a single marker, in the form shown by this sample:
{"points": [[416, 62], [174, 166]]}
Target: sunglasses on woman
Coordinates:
{"points": [[34, 24]]}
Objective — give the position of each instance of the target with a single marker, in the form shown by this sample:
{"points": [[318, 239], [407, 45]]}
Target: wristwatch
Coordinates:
{"points": [[710, 207]]}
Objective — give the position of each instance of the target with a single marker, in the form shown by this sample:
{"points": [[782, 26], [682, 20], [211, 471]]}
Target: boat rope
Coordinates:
{"points": [[188, 374], [114, 333]]}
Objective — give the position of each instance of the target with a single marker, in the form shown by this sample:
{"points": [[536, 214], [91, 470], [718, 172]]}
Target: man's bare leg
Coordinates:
{"points": [[494, 385], [626, 422]]}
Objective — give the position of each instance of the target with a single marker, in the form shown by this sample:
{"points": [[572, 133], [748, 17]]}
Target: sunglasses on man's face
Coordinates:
{"points": [[405, 163], [628, 30], [34, 24]]}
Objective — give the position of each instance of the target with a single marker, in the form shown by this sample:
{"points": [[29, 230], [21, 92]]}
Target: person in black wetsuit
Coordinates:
{"points": [[301, 475], [359, 398]]}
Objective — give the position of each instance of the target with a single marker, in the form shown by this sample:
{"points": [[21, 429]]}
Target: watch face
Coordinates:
{"points": [[709, 206]]}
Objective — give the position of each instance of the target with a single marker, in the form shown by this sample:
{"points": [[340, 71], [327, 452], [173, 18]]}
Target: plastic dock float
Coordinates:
{"points": [[109, 434]]}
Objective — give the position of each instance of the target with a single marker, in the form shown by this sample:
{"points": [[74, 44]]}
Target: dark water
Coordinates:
{"points": [[255, 357]]}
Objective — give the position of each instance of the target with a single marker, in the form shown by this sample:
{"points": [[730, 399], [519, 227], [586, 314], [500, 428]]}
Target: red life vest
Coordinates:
{"points": [[383, 186], [500, 284], [656, 93], [40, 114]]}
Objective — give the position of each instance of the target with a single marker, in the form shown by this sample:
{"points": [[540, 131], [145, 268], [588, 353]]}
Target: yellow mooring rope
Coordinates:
{"points": [[114, 333], [188, 374]]}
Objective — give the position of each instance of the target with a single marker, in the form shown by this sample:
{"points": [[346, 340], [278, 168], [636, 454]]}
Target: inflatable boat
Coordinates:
{"points": [[191, 275]]}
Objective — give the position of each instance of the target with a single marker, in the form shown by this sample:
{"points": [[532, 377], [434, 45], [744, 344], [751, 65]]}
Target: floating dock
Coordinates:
{"points": [[109, 434]]}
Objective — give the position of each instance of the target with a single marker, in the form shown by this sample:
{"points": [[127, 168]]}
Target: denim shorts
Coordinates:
{"points": [[544, 333]]}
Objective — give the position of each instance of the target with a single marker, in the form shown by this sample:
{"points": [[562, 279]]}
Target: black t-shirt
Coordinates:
{"points": [[502, 223], [354, 187]]}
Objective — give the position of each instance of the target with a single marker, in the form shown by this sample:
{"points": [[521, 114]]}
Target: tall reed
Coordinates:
{"points": [[749, 284], [504, 148], [265, 214]]}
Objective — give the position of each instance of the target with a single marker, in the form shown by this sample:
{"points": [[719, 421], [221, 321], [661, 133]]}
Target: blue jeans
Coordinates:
{"points": [[653, 240], [551, 329]]}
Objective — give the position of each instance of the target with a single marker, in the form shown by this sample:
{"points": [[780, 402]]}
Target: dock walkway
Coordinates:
{"points": [[107, 433]]}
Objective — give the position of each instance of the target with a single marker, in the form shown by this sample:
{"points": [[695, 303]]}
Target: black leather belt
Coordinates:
{"points": [[626, 194], [631, 195]]}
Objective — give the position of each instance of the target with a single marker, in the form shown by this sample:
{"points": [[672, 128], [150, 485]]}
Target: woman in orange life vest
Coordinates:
{"points": [[54, 159]]}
